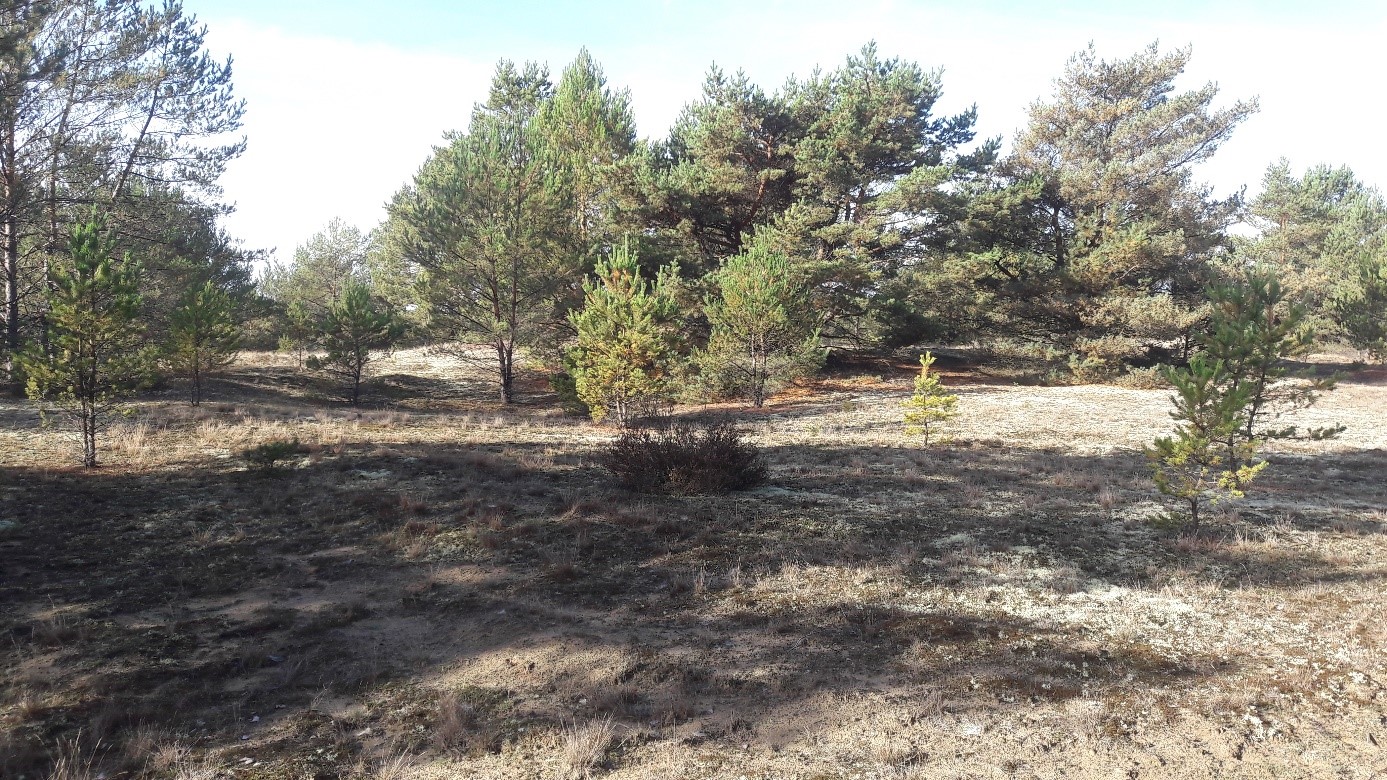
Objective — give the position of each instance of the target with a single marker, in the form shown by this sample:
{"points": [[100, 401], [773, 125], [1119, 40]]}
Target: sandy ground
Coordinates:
{"points": [[440, 587]]}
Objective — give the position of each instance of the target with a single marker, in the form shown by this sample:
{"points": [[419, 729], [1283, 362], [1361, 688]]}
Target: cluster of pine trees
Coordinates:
{"points": [[115, 126], [839, 211], [113, 106]]}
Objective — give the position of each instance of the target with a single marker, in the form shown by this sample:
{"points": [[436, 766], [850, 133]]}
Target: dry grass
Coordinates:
{"points": [[441, 587], [396, 767], [585, 747], [73, 761], [182, 763]]}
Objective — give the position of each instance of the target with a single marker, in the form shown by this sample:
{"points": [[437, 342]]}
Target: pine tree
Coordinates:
{"points": [[626, 356], [1253, 331], [585, 129], [1363, 315], [1114, 257], [298, 331], [114, 104], [203, 335], [931, 404], [876, 170], [96, 354], [352, 328], [852, 169], [763, 334], [1231, 389], [1317, 232], [726, 169], [321, 269], [481, 220], [1205, 459]]}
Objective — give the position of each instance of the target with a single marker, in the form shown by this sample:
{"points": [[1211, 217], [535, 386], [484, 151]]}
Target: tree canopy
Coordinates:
{"points": [[842, 210], [114, 105]]}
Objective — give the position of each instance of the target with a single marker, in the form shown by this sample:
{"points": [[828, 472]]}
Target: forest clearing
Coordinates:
{"points": [[442, 586], [403, 408]]}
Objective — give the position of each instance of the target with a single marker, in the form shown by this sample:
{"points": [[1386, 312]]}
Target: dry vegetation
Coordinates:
{"points": [[440, 588]]}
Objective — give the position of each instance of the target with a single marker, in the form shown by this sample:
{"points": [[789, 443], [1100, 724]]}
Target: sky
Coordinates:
{"points": [[345, 100]]}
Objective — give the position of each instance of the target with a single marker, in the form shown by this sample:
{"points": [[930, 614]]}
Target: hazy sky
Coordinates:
{"points": [[346, 100]]}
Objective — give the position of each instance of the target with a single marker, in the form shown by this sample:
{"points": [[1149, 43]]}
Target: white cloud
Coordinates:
{"points": [[334, 127]]}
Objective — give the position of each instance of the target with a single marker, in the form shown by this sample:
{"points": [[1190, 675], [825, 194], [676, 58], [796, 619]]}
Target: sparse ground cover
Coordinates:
{"points": [[440, 587]]}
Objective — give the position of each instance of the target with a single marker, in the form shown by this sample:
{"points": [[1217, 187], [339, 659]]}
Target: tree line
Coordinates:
{"points": [[840, 211]]}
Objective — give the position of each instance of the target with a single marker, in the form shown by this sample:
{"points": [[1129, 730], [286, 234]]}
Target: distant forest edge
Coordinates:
{"points": [[1089, 245], [838, 212]]}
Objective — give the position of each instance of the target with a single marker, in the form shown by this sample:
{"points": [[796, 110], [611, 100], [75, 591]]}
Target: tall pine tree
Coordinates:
{"points": [[1121, 236], [585, 130], [109, 104], [483, 223]]}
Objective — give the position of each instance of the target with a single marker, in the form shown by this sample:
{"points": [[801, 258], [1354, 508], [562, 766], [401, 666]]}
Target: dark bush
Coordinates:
{"points": [[685, 459], [566, 388], [266, 456]]}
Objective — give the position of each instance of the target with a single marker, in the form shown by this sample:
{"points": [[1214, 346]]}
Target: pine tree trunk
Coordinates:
{"points": [[507, 387], [505, 355], [1058, 229], [759, 377], [88, 436], [9, 246]]}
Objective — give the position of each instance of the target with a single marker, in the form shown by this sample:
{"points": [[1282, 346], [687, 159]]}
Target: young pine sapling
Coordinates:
{"points": [[931, 405]]}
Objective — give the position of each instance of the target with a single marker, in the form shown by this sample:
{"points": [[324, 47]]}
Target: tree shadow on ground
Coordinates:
{"points": [[1003, 496], [195, 600], [290, 385]]}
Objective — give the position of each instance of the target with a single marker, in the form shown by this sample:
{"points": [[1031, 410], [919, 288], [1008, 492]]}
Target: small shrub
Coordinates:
{"points": [[1149, 378], [931, 405], [265, 456], [686, 459], [1087, 369]]}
